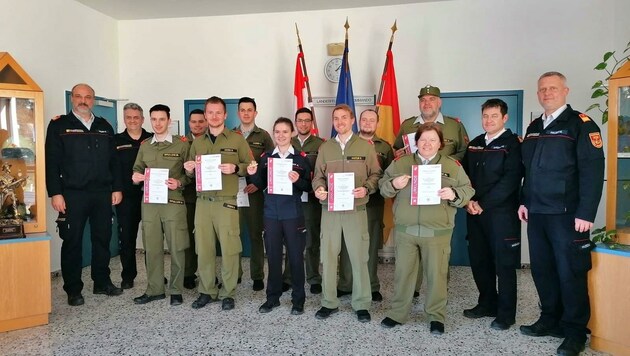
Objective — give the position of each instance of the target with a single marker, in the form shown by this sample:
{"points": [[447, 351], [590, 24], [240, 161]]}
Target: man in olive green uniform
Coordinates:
{"points": [[455, 136], [259, 141], [216, 214], [198, 126], [308, 143], [168, 220], [424, 228], [346, 152], [375, 210]]}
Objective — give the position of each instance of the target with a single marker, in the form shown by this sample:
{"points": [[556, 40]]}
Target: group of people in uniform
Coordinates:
{"points": [[552, 179]]}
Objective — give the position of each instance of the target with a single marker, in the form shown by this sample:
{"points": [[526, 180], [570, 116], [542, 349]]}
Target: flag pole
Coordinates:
{"points": [[389, 48], [307, 82]]}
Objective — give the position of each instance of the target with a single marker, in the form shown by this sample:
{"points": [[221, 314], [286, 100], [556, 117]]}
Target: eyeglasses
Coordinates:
{"points": [[303, 121]]}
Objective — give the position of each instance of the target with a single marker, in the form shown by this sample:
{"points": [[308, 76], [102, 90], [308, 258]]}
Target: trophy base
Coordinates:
{"points": [[11, 229]]}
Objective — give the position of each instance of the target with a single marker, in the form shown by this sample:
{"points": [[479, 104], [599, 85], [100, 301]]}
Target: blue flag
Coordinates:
{"points": [[344, 90]]}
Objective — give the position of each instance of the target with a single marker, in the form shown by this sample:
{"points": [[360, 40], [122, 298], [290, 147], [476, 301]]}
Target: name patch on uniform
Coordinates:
{"points": [[230, 206], [228, 150], [533, 134], [102, 131], [444, 174], [498, 147], [596, 139], [475, 148], [173, 201], [171, 155], [356, 158], [558, 132], [75, 130], [311, 153], [257, 144], [124, 146], [448, 140]]}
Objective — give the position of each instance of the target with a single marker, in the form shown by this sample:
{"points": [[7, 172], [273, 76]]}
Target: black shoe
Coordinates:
{"points": [[324, 313], [109, 289], [189, 282], [416, 294], [202, 300], [285, 287], [498, 324], [341, 293], [570, 347], [238, 281], [76, 300], [144, 299], [389, 323], [297, 309], [126, 284], [228, 304], [268, 306], [363, 316], [479, 312], [377, 296], [258, 284], [539, 328], [176, 299], [437, 328], [316, 288]]}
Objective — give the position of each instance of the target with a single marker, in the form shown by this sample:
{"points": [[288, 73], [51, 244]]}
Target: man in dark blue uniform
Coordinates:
{"points": [[128, 211], [564, 175], [493, 163], [83, 180]]}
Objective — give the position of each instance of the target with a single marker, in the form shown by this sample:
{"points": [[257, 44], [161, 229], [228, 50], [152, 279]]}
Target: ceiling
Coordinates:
{"points": [[153, 9]]}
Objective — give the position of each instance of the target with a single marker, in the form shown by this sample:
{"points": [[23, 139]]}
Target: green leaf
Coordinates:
{"points": [[608, 55], [601, 66], [599, 92], [597, 231], [605, 117], [596, 105], [597, 84]]}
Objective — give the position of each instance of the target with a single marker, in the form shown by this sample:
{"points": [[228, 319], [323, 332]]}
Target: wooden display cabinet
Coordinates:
{"points": [[25, 291], [22, 140]]}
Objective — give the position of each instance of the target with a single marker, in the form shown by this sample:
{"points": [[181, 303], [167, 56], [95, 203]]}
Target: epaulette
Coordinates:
{"points": [[584, 117], [399, 157], [458, 120], [371, 142], [520, 139], [146, 139], [302, 153], [56, 118], [183, 138], [455, 160]]}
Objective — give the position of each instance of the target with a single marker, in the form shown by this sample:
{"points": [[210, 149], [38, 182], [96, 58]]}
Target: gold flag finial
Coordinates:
{"points": [[347, 26], [394, 28]]}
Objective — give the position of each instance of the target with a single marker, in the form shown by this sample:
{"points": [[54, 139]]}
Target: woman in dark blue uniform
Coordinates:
{"points": [[284, 218]]}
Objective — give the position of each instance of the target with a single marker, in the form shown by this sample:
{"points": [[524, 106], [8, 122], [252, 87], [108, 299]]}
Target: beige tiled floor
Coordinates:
{"points": [[115, 326]]}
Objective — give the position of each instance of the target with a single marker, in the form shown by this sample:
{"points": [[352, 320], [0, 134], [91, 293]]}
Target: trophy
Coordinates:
{"points": [[11, 223]]}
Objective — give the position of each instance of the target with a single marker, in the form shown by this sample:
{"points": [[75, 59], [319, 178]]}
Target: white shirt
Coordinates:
{"points": [[554, 115], [283, 155], [488, 140], [304, 140], [87, 124], [439, 119], [168, 138], [424, 160], [343, 144]]}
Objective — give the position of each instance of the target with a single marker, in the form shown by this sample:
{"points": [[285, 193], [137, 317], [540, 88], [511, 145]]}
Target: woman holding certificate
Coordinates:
{"points": [[160, 166], [428, 188], [284, 174]]}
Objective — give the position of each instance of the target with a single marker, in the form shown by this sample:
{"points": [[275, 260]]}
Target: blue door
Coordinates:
{"points": [[231, 122], [106, 109], [467, 107]]}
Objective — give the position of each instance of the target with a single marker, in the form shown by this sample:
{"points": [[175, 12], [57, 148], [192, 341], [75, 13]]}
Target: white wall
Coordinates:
{"points": [[461, 45], [61, 43]]}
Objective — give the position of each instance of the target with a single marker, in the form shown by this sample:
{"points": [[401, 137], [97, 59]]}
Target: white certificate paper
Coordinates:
{"points": [[340, 187], [242, 198], [207, 172], [410, 142], [155, 187], [426, 180], [278, 181]]}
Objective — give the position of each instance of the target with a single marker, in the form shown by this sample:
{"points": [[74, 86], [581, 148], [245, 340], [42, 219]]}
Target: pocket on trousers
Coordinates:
{"points": [[581, 255], [446, 257], [232, 245], [510, 252]]}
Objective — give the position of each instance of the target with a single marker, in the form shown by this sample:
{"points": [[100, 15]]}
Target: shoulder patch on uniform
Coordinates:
{"points": [[596, 139], [458, 120], [585, 117]]}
